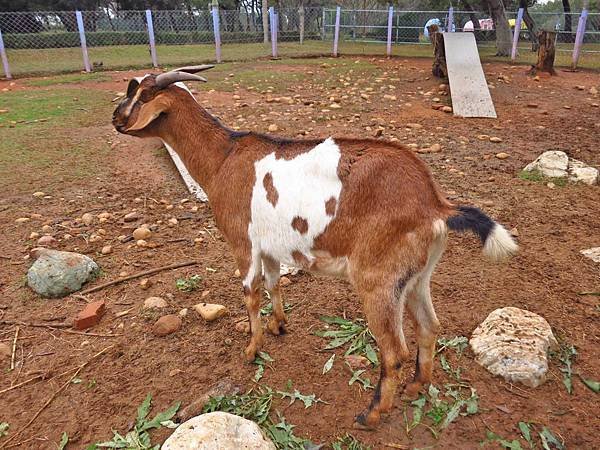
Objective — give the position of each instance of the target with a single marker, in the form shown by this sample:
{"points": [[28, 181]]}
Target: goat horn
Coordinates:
{"points": [[165, 79], [194, 69]]}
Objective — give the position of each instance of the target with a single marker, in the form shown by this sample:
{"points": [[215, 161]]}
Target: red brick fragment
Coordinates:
{"points": [[89, 316]]}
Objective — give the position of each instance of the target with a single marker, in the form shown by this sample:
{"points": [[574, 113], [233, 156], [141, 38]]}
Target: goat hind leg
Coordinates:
{"points": [[252, 299], [277, 321]]}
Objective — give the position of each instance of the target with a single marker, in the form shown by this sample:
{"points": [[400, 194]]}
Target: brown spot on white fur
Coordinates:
{"points": [[330, 206], [300, 225], [272, 194]]}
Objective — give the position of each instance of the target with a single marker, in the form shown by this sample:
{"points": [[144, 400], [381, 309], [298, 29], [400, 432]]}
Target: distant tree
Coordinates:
{"points": [[503, 33]]}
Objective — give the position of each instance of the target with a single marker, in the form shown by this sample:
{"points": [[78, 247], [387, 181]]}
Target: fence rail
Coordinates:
{"points": [[55, 41]]}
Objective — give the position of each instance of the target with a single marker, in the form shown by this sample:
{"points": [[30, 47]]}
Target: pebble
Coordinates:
{"points": [[593, 91], [34, 235], [183, 313], [22, 219], [87, 219], [167, 325], [447, 109], [335, 106], [502, 155], [272, 128], [145, 283], [107, 249], [172, 222], [242, 327], [416, 126], [38, 194], [514, 232], [132, 216], [141, 243], [285, 281], [551, 185], [209, 311], [435, 148], [155, 302], [141, 233], [46, 240], [47, 229], [495, 139]]}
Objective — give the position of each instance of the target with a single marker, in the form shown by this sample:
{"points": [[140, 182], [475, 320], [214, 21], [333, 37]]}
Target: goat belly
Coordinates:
{"points": [[293, 201]]}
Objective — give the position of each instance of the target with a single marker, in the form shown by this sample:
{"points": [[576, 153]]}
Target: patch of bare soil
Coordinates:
{"points": [[553, 225]]}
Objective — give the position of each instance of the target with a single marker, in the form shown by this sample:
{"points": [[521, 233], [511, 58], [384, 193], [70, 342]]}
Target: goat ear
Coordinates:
{"points": [[150, 111]]}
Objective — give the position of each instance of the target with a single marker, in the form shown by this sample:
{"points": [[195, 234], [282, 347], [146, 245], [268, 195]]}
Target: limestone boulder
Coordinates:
{"points": [[553, 164]]}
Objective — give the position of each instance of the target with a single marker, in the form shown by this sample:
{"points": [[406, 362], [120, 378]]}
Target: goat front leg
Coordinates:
{"points": [[277, 321], [252, 297]]}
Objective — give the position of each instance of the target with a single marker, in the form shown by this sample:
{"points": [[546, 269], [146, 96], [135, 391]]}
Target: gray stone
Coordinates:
{"points": [[218, 430], [513, 343], [579, 172], [56, 273], [592, 253], [550, 164]]}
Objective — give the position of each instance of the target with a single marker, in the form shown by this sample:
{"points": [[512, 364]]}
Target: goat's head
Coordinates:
{"points": [[149, 97]]}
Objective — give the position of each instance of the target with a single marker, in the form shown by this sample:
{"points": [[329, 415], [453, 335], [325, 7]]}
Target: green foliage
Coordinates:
{"points": [[138, 438], [64, 440], [537, 177], [328, 364], [308, 400], [355, 333], [268, 309], [547, 439], [441, 409], [593, 385], [365, 382], [348, 442], [4, 426], [262, 360], [457, 343], [188, 284], [566, 355]]}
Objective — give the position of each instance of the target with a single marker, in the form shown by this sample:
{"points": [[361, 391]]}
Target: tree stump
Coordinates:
{"points": [[546, 53], [439, 53]]}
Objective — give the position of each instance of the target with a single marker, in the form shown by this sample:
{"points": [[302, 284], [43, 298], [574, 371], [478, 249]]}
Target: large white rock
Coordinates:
{"points": [[580, 173], [218, 430], [553, 164], [513, 343], [592, 253]]}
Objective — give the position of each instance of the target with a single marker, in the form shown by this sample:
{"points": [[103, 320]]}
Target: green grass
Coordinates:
{"points": [[536, 176], [68, 79], [64, 60]]}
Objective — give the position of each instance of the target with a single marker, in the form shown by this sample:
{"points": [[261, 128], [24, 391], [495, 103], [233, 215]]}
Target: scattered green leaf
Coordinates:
{"points": [[457, 343], [365, 382], [188, 284], [328, 364], [348, 442], [261, 360], [4, 426], [593, 385], [549, 439], [64, 440]]}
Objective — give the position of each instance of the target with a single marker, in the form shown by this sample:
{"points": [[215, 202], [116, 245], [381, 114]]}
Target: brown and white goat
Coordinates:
{"points": [[360, 209]]}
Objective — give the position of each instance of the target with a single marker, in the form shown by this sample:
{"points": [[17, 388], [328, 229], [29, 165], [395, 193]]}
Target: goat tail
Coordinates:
{"points": [[497, 242]]}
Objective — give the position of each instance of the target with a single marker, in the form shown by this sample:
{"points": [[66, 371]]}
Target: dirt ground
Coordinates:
{"points": [[552, 224]]}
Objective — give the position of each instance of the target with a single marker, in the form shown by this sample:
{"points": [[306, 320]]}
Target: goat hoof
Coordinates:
{"points": [[251, 351], [412, 391], [366, 421], [276, 327]]}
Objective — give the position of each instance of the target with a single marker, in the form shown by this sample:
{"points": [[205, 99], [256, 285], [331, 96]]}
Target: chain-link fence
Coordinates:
{"points": [[51, 42]]}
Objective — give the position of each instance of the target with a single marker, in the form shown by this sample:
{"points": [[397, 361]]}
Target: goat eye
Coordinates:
{"points": [[132, 87]]}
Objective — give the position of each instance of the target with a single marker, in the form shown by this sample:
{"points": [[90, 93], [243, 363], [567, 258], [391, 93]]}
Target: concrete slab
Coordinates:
{"points": [[470, 93]]}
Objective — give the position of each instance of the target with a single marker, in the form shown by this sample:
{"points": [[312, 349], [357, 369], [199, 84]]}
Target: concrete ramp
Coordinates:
{"points": [[470, 93]]}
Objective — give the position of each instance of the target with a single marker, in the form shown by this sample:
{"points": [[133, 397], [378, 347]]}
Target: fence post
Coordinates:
{"points": [[151, 38], [517, 32], [336, 34], [301, 24], [4, 58], [450, 20], [273, 25], [216, 29], [86, 59], [579, 36], [389, 30]]}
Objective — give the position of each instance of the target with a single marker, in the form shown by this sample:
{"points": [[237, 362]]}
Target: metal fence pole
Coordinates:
{"points": [[273, 25], [389, 30], [336, 34], [276, 30], [86, 59], [301, 23], [151, 38], [4, 58], [216, 30], [513, 55], [579, 36], [450, 20]]}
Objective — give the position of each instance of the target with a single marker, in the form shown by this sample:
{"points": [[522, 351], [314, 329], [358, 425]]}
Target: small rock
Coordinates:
{"points": [[145, 283], [141, 243], [237, 273], [592, 253], [335, 106], [242, 327], [141, 233], [593, 90], [132, 216], [46, 241], [39, 194], [532, 105], [416, 126], [580, 173], [107, 249], [483, 137], [552, 164], [183, 313], [166, 325], [284, 281], [502, 155], [495, 139], [87, 219], [209, 311], [172, 222], [218, 430], [90, 315], [514, 343], [47, 229], [434, 148], [447, 109], [155, 302], [514, 232], [272, 128], [550, 185], [34, 235], [580, 88], [22, 220]]}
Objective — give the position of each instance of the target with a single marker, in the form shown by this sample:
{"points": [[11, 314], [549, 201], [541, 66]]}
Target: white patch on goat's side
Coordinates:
{"points": [[439, 227], [303, 185]]}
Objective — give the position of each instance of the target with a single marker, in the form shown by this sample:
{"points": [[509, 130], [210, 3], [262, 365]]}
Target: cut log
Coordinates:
{"points": [[439, 53], [546, 53]]}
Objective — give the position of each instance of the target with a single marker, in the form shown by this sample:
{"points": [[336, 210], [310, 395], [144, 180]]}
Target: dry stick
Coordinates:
{"points": [[63, 387], [138, 275], [82, 333], [14, 348], [32, 324]]}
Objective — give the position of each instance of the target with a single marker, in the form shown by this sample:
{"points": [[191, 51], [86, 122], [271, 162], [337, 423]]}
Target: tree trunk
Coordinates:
{"points": [[439, 53], [546, 53], [474, 20], [503, 33], [531, 26], [568, 22], [265, 20]]}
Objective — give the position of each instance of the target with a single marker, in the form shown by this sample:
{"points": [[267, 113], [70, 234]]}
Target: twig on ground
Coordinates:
{"points": [[33, 324], [14, 349], [82, 333], [518, 394], [53, 396], [138, 275], [81, 297]]}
